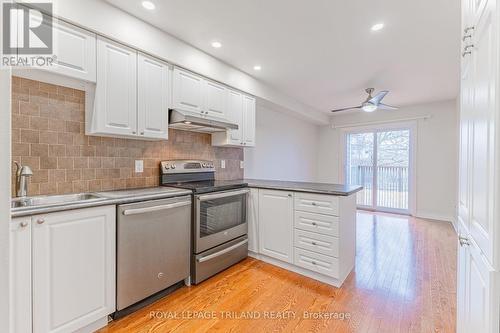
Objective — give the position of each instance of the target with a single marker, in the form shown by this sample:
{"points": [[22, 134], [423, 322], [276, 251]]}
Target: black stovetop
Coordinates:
{"points": [[207, 186]]}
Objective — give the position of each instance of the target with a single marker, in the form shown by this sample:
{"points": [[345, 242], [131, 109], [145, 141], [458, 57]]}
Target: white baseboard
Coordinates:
{"points": [[437, 217]]}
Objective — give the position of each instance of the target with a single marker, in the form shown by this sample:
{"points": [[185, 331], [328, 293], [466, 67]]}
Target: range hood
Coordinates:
{"points": [[194, 122]]}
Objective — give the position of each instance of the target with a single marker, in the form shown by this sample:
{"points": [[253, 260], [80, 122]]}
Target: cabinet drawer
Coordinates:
{"points": [[317, 203], [317, 262], [322, 224], [312, 241]]}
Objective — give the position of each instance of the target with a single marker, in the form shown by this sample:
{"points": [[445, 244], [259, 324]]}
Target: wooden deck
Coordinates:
{"points": [[404, 281]]}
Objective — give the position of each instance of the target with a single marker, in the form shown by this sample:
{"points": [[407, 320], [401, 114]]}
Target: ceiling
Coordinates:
{"points": [[323, 52]]}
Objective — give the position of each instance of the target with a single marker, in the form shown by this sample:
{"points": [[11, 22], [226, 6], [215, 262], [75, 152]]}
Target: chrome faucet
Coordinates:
{"points": [[22, 174]]}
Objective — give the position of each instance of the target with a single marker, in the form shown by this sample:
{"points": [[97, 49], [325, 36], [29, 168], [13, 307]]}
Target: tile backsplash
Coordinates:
{"points": [[48, 134]]}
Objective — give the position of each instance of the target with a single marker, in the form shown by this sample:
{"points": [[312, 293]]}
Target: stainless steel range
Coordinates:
{"points": [[219, 215]]}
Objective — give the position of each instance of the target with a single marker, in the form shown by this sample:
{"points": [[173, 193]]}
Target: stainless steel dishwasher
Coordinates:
{"points": [[153, 248]]}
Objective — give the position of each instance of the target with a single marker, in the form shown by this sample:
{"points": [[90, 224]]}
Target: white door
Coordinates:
{"points": [[248, 121], [75, 49], [253, 220], [276, 224], [73, 268], [20, 275], [483, 227], [116, 89], [235, 115], [215, 99], [152, 97], [187, 91]]}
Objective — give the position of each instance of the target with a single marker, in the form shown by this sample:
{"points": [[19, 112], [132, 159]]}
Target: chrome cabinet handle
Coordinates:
{"points": [[40, 221], [142, 133], [466, 30], [464, 241], [23, 224]]}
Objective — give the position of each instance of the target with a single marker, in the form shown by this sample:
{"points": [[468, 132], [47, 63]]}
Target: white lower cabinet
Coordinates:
{"points": [[276, 229], [311, 234], [73, 270], [20, 275]]}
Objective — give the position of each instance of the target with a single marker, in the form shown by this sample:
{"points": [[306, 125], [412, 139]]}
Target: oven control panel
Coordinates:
{"points": [[186, 166]]}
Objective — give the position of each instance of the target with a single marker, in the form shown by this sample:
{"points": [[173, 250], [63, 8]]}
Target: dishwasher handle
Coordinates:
{"points": [[136, 211]]}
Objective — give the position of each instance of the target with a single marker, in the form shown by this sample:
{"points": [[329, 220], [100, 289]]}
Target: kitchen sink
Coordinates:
{"points": [[51, 200]]}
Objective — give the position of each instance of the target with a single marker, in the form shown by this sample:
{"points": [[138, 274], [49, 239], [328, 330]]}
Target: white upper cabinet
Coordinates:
{"points": [[188, 91], [235, 115], [153, 79], [73, 268], [116, 90], [241, 111], [276, 233], [248, 121], [215, 99], [75, 51]]}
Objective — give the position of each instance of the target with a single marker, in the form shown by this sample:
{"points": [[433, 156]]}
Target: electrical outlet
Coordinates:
{"points": [[222, 164], [139, 166], [242, 165]]}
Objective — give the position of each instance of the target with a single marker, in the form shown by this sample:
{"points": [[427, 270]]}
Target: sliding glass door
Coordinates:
{"points": [[379, 160]]}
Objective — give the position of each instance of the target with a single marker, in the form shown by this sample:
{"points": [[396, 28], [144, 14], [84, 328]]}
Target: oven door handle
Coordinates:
{"points": [[155, 208], [222, 195], [217, 254]]}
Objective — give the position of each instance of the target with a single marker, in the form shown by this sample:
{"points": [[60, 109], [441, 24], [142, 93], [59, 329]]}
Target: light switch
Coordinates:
{"points": [[222, 164], [139, 166]]}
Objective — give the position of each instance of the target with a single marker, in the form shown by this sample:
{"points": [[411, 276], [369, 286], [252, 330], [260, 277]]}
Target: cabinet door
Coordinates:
{"points": [[187, 91], [75, 49], [253, 220], [116, 89], [152, 97], [478, 309], [73, 268], [248, 121], [276, 224], [483, 227], [215, 99], [20, 275], [235, 115]]}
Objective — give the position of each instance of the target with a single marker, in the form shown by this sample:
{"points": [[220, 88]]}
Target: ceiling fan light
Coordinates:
{"points": [[369, 107]]}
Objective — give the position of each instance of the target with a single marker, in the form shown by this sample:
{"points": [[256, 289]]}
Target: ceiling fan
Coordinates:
{"points": [[371, 103]]}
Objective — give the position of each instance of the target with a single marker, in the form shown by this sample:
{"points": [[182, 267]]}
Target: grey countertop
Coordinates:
{"points": [[321, 188], [104, 198]]}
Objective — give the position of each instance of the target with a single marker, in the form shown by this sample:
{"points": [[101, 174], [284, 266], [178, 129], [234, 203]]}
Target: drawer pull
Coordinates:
{"points": [[313, 243], [40, 221], [23, 224], [313, 262], [314, 224], [313, 203]]}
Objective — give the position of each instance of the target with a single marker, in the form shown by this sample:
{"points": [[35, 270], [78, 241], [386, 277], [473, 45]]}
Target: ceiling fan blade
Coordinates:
{"points": [[383, 106], [378, 97], [345, 109]]}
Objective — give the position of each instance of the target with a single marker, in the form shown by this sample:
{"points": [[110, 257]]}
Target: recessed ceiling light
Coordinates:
{"points": [[148, 5], [377, 27], [257, 67], [216, 44]]}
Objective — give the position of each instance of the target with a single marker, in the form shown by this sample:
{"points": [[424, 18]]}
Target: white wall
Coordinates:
{"points": [[436, 156], [103, 18], [286, 147], [4, 195]]}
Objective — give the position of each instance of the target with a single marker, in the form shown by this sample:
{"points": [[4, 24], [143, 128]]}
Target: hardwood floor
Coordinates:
{"points": [[404, 281]]}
